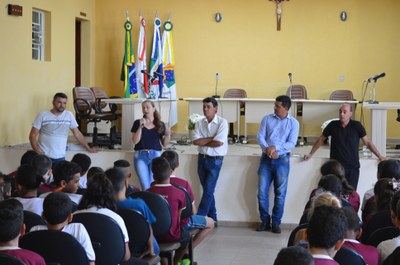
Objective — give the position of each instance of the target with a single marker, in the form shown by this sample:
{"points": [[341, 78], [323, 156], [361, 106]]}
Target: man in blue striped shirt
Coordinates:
{"points": [[277, 136]]}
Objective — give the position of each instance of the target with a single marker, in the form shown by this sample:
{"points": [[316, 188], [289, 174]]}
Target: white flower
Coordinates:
{"points": [[193, 118]]}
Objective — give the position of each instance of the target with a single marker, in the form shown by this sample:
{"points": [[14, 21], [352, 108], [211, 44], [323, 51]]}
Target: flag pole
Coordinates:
{"points": [[127, 14]]}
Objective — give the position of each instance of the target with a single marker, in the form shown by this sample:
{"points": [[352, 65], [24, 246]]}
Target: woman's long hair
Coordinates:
{"points": [[157, 118], [99, 193]]}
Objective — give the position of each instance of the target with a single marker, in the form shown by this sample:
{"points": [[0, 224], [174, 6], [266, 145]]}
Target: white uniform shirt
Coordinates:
{"points": [[32, 204], [218, 130]]}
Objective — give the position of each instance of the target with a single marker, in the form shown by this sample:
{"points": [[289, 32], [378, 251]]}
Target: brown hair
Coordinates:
{"points": [[157, 118]]}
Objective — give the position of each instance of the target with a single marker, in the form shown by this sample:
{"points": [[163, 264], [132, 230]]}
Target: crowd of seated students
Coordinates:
{"points": [[331, 217], [74, 187], [35, 182]]}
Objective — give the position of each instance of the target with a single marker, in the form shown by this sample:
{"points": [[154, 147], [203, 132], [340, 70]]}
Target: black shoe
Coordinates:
{"points": [[264, 226], [276, 229]]}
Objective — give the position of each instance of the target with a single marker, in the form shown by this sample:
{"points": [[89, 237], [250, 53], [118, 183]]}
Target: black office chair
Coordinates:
{"points": [[106, 236], [347, 256], [87, 110], [383, 234], [162, 211], [56, 247], [294, 232], [394, 258], [138, 231], [32, 219], [378, 220], [10, 260]]}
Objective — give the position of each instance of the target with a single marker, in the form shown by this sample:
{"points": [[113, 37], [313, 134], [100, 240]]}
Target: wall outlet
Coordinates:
{"points": [[217, 77]]}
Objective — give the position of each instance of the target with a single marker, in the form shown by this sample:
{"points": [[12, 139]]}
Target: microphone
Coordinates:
{"points": [[290, 77], [376, 77], [158, 74], [146, 73]]}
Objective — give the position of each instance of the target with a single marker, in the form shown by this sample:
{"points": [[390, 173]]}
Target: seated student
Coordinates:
{"points": [[324, 198], [332, 184], [387, 169], [369, 253], [99, 198], [384, 190], [120, 182], [11, 228], [125, 166], [91, 172], [27, 184], [294, 256], [334, 167], [57, 209], [5, 187], [66, 177], [176, 200], [387, 247], [205, 223], [84, 162], [325, 233], [26, 159], [43, 166]]}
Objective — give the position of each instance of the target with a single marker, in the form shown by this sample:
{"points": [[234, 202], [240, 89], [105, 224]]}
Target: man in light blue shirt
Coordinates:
{"points": [[277, 136]]}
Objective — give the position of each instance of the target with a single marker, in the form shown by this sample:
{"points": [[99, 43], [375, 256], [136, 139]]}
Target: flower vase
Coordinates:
{"points": [[191, 134]]}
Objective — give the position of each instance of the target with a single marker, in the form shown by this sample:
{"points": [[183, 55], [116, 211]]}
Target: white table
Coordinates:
{"points": [[378, 122], [228, 108], [132, 110], [255, 110]]}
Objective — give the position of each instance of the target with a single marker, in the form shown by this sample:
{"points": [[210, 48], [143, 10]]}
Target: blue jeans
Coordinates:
{"points": [[208, 169], [142, 162], [276, 170]]}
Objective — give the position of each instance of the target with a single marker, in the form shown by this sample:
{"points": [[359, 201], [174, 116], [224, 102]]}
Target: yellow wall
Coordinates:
{"points": [[244, 48], [27, 86], [248, 51]]}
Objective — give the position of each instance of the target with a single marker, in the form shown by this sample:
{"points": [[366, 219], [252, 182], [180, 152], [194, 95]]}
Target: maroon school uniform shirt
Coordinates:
{"points": [[27, 256], [177, 201], [183, 183], [369, 253]]}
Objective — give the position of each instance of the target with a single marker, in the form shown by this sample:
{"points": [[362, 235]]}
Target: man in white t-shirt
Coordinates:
{"points": [[49, 133]]}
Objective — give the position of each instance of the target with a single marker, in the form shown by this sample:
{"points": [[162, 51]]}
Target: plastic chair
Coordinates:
{"points": [[341, 95], [383, 234], [162, 211], [294, 232], [297, 92], [138, 231], [378, 220], [86, 109], [9, 260], [106, 236], [55, 247], [235, 93], [32, 219], [347, 256]]}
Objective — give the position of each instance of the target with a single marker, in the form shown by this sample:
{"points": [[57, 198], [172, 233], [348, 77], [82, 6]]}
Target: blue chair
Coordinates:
{"points": [[347, 256]]}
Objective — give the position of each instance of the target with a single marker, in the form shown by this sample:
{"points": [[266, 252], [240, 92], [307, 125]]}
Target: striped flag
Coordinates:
{"points": [[169, 88], [128, 74], [156, 62], [142, 79]]}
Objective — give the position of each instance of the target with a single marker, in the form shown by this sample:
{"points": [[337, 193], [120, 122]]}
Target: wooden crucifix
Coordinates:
{"points": [[278, 12]]}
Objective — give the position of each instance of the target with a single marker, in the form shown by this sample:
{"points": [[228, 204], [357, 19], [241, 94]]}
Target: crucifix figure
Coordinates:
{"points": [[278, 13]]}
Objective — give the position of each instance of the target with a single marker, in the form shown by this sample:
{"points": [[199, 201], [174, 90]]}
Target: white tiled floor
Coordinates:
{"points": [[240, 246]]}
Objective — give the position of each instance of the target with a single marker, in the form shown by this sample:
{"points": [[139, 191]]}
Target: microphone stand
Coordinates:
{"points": [[372, 94], [216, 86]]}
